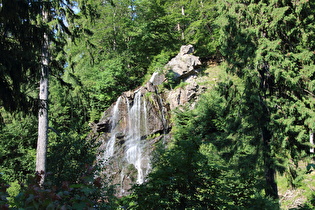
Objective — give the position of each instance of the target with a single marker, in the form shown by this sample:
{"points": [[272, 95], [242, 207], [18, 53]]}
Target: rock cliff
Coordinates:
{"points": [[131, 128]]}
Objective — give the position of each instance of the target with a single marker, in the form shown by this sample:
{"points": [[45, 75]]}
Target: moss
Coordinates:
{"points": [[181, 85], [149, 97], [153, 136]]}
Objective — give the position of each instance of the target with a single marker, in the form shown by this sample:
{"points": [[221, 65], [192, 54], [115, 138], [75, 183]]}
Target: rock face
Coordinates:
{"points": [[130, 129], [184, 64], [181, 96]]}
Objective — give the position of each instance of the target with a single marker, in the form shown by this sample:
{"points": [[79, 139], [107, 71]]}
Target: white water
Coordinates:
{"points": [[137, 124], [110, 146], [153, 76], [137, 127]]}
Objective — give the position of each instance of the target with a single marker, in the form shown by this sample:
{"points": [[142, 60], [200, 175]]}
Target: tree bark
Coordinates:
{"points": [[183, 14], [271, 188], [312, 142], [271, 185], [42, 140]]}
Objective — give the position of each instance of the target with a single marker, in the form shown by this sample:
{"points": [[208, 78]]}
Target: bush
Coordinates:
{"points": [[88, 192], [3, 194]]}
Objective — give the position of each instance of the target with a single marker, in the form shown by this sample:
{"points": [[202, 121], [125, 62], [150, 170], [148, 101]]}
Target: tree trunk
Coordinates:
{"points": [[43, 108], [271, 188], [183, 14], [312, 141], [271, 185]]}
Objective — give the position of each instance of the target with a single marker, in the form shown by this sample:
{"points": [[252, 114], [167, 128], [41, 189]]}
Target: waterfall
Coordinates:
{"points": [[153, 76], [131, 118], [110, 146], [137, 124]]}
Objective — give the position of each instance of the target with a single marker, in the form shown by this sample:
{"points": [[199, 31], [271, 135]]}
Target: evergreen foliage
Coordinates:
{"points": [[224, 154], [17, 146], [212, 162], [22, 30], [267, 45], [20, 44]]}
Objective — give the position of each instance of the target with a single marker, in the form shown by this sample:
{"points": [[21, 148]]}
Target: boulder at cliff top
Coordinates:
{"points": [[184, 63]]}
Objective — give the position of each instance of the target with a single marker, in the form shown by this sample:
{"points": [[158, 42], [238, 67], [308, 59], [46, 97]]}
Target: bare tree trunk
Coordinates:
{"points": [[312, 141], [179, 28], [183, 14], [42, 140]]}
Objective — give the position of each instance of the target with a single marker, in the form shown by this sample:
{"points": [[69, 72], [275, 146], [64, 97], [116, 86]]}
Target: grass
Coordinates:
{"points": [[210, 76], [296, 198]]}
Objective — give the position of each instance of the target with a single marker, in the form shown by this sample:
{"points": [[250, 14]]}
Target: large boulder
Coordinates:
{"points": [[184, 95], [184, 64]]}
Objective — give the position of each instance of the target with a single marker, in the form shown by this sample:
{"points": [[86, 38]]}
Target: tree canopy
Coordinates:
{"points": [[255, 124]]}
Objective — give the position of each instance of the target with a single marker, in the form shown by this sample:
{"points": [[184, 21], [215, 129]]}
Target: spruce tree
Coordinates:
{"points": [[268, 44], [20, 48], [33, 36]]}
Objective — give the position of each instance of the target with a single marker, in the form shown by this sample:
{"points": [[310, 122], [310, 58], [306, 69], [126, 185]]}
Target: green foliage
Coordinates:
{"points": [[68, 154], [153, 136], [99, 85], [223, 155], [182, 85], [88, 192], [69, 150], [159, 61], [121, 51], [200, 28], [264, 44], [13, 191], [17, 146], [19, 54], [3, 193], [22, 29], [171, 82], [210, 164]]}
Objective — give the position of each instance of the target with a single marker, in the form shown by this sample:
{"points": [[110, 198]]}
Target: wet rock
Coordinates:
{"points": [[103, 126]]}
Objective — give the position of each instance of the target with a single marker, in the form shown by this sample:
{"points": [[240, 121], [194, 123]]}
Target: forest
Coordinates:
{"points": [[249, 138]]}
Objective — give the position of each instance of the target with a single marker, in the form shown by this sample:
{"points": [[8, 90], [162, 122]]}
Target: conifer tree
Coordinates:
{"points": [[33, 36], [268, 45], [20, 60]]}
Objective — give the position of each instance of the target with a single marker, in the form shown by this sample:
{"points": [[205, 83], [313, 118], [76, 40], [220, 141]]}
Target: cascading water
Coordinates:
{"points": [[137, 123], [153, 77], [110, 146], [129, 118]]}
